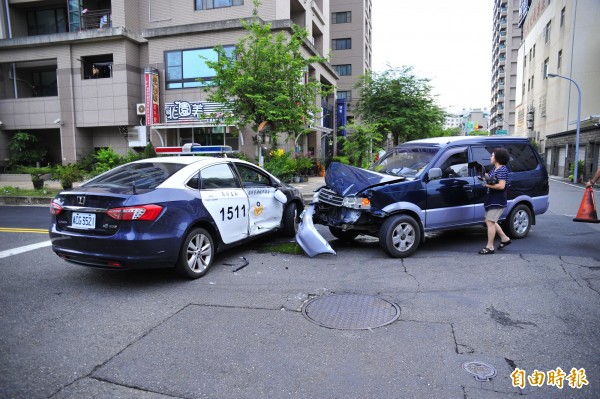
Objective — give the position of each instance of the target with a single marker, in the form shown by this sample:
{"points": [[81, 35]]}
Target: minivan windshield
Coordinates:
{"points": [[407, 161]]}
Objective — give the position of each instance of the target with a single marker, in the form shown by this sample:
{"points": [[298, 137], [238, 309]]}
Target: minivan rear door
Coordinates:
{"points": [[450, 199]]}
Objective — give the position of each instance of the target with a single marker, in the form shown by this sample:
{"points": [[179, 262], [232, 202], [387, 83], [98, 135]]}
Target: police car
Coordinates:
{"points": [[176, 211]]}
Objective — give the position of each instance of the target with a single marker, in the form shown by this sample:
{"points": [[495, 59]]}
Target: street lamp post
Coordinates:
{"points": [[576, 167]]}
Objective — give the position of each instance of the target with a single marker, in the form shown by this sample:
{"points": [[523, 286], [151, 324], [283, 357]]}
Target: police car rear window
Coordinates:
{"points": [[147, 175]]}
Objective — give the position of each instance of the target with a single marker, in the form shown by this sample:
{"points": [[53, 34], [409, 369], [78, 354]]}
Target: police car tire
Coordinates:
{"points": [[518, 222], [189, 264], [400, 236], [290, 220]]}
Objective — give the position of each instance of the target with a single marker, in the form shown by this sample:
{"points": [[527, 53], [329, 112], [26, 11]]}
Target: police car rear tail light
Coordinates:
{"points": [[143, 212]]}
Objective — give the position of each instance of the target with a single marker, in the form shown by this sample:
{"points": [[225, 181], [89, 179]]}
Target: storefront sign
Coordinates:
{"points": [[151, 96], [193, 111]]}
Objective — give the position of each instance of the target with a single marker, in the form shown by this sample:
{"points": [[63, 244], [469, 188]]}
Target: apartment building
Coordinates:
{"points": [[505, 45], [88, 74], [560, 37], [351, 51]]}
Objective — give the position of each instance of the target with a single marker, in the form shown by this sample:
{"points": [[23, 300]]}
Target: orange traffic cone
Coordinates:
{"points": [[587, 209]]}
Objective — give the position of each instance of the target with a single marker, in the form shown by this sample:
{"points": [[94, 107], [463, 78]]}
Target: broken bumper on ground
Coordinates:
{"points": [[309, 238]]}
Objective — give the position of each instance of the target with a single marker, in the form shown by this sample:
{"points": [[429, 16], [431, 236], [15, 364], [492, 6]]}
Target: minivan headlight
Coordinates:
{"points": [[356, 203]]}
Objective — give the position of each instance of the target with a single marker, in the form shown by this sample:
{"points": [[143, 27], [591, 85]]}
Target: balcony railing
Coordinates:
{"points": [[96, 19]]}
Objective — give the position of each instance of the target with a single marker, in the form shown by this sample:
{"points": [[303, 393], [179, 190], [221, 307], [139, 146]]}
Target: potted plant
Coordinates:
{"points": [[580, 170], [304, 165], [38, 174], [67, 175]]}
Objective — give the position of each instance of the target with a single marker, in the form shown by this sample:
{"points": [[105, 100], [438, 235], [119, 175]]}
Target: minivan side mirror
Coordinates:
{"points": [[434, 173]]}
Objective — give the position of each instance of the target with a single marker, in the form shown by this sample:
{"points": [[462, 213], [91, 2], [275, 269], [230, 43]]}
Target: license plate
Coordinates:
{"points": [[83, 220]]}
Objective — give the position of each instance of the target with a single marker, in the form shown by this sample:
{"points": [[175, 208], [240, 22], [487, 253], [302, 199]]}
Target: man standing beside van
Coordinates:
{"points": [[496, 181]]}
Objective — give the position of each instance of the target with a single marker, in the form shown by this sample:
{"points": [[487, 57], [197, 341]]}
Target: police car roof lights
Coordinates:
{"points": [[193, 149]]}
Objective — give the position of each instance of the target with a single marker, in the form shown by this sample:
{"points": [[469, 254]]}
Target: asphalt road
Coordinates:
{"points": [[72, 332]]}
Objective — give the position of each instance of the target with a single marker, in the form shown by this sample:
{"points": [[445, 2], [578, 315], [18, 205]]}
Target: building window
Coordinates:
{"points": [[547, 31], [45, 22], [524, 61], [559, 60], [545, 68], [523, 91], [562, 16], [528, 85], [343, 70], [344, 95], [534, 51], [97, 66], [209, 4], [187, 68], [341, 17], [342, 44], [531, 82], [530, 50]]}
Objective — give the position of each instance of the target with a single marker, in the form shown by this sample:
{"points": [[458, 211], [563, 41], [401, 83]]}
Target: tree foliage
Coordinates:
{"points": [[400, 103], [263, 80], [363, 141]]}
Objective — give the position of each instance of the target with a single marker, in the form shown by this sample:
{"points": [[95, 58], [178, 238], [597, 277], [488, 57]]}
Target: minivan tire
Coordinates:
{"points": [[518, 222], [344, 235], [400, 236]]}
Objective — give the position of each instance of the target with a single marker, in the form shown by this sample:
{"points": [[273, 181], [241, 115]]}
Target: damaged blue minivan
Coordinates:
{"points": [[429, 185]]}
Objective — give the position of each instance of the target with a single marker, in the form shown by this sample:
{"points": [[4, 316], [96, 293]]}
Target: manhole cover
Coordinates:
{"points": [[481, 371], [350, 311]]}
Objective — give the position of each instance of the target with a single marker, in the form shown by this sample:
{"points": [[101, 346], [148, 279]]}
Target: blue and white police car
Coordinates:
{"points": [[171, 211]]}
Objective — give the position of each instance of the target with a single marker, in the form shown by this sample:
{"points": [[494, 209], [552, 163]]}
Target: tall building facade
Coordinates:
{"points": [[560, 37], [505, 45], [351, 50], [88, 74]]}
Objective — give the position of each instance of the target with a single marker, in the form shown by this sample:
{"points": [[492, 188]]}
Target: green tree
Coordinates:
{"points": [[263, 80], [400, 103], [362, 142], [25, 150]]}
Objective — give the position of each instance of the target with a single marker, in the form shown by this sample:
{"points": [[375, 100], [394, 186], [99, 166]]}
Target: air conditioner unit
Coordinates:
{"points": [[140, 109]]}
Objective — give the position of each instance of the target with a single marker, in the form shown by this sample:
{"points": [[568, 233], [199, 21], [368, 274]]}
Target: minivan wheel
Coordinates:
{"points": [[518, 222], [196, 255], [400, 236], [344, 235]]}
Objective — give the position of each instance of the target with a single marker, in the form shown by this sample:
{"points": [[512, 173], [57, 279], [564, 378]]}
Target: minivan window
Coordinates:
{"points": [[406, 161], [522, 156], [454, 163]]}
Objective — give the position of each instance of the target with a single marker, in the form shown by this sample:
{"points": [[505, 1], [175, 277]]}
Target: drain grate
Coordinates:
{"points": [[350, 311], [481, 371]]}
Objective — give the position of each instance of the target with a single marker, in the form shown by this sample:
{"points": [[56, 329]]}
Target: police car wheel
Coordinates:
{"points": [[290, 220], [197, 254], [400, 236], [518, 222]]}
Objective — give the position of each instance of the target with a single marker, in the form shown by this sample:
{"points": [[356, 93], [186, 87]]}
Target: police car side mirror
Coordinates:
{"points": [[434, 173], [280, 196]]}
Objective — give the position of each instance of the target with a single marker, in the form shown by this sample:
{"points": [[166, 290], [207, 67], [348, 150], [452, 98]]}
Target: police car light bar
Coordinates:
{"points": [[193, 149]]}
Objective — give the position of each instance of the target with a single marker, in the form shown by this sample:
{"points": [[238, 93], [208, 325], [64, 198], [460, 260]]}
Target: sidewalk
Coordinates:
{"points": [[24, 181]]}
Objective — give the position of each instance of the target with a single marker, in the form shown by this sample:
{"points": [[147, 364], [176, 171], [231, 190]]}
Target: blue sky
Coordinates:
{"points": [[448, 42]]}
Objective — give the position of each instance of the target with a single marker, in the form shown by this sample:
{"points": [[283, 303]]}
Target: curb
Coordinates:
{"points": [[32, 201]]}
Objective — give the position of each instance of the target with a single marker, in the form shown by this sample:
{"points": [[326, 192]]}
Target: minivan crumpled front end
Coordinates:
{"points": [[345, 202]]}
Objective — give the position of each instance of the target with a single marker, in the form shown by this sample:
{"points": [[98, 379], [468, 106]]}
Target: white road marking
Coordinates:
{"points": [[26, 248]]}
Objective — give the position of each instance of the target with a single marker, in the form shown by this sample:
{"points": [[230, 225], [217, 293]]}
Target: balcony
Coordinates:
{"points": [[95, 19]]}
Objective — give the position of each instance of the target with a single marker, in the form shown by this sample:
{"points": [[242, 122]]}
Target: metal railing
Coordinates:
{"points": [[96, 19]]}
